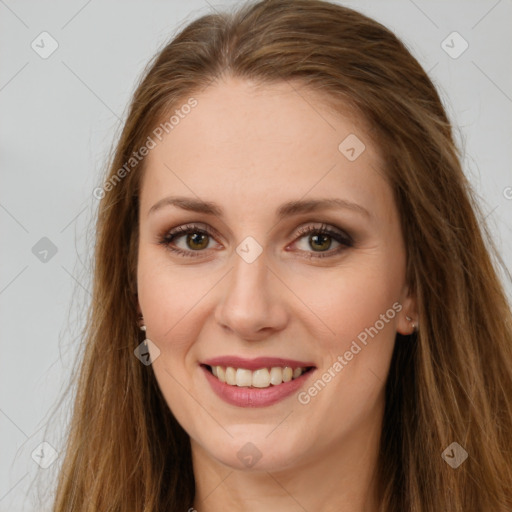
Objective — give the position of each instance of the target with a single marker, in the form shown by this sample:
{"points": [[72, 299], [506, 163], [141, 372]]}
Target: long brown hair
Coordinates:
{"points": [[451, 382]]}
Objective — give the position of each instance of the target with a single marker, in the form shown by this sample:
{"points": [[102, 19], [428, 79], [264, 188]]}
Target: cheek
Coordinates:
{"points": [[170, 300], [361, 307], [167, 297], [346, 301], [358, 305]]}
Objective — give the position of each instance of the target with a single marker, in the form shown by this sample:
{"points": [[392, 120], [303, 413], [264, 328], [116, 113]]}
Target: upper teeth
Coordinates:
{"points": [[261, 378]]}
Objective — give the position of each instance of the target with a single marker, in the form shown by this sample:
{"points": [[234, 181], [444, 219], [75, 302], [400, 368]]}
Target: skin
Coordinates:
{"points": [[249, 149]]}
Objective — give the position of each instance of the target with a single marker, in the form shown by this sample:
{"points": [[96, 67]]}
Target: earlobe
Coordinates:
{"points": [[407, 324], [414, 323], [408, 319]]}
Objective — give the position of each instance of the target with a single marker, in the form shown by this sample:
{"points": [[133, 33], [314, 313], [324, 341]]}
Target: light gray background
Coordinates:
{"points": [[58, 119]]}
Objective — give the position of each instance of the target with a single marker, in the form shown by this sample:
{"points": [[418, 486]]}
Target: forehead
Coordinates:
{"points": [[249, 145]]}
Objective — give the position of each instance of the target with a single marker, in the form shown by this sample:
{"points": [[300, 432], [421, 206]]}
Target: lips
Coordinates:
{"points": [[256, 382]]}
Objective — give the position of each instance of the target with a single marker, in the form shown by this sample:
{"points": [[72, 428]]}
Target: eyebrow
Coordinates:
{"points": [[285, 210]]}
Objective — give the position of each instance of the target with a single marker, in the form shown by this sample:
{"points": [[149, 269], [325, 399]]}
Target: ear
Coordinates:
{"points": [[407, 319]]}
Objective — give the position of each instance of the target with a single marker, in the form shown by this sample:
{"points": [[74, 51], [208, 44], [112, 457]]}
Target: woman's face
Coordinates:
{"points": [[248, 171]]}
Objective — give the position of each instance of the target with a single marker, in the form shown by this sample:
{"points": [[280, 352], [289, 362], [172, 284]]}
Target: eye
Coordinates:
{"points": [[320, 240], [196, 239]]}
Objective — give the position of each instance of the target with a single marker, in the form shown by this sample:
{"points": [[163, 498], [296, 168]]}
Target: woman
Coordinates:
{"points": [[294, 304]]}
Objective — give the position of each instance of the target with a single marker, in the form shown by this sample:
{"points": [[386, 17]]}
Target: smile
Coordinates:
{"points": [[260, 378], [259, 382]]}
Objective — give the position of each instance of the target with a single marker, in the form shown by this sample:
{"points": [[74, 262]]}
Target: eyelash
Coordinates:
{"points": [[344, 239]]}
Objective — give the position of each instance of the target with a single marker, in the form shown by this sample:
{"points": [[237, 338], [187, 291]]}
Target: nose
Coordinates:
{"points": [[252, 305]]}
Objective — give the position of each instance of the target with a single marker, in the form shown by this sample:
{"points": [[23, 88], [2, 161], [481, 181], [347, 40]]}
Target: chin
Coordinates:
{"points": [[258, 452]]}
